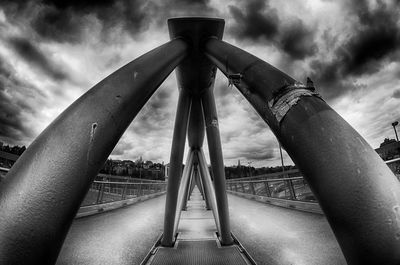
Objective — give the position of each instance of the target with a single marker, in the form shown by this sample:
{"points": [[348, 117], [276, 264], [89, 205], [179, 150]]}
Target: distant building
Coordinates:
{"points": [[389, 149]]}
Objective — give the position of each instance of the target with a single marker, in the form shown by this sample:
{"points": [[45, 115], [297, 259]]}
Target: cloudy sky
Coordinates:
{"points": [[53, 51]]}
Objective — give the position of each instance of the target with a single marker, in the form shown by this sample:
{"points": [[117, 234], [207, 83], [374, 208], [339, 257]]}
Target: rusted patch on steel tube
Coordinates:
{"points": [[288, 96]]}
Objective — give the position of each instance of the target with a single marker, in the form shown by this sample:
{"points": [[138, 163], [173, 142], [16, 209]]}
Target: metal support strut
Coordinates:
{"points": [[356, 190], [178, 147], [44, 189], [217, 164]]}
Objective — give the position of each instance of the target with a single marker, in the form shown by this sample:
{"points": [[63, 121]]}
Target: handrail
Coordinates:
{"points": [[262, 180], [128, 183], [291, 171]]}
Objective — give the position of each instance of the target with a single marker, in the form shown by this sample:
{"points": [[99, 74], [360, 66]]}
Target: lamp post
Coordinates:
{"points": [[394, 124], [280, 151]]}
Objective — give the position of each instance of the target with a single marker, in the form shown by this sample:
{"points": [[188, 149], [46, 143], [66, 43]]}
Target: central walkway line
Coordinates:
{"points": [[197, 241]]}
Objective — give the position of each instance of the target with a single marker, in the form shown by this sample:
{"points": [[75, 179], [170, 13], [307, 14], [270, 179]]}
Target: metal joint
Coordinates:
{"points": [[288, 96], [234, 79]]}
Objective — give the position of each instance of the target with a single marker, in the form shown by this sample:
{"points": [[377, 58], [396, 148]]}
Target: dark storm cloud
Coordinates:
{"points": [[69, 21], [12, 127], [374, 41], [396, 93], [34, 56], [58, 25], [298, 41], [378, 36], [257, 21]]}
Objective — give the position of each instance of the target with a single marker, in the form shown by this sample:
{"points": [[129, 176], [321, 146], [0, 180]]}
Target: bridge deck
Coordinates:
{"points": [[197, 243], [272, 235]]}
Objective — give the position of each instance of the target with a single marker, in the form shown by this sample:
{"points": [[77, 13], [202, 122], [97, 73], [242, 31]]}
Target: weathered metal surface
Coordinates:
{"points": [[209, 188], [174, 179], [217, 164], [196, 76], [196, 73], [43, 191], [196, 129], [182, 193], [358, 193]]}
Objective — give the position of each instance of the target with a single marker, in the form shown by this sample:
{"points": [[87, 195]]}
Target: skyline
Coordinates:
{"points": [[52, 52]]}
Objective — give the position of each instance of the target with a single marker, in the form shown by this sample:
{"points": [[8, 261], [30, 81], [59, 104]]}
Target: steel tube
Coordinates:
{"points": [[199, 182], [183, 188], [358, 193], [188, 190], [193, 183], [209, 188], [44, 189], [178, 147], [217, 163]]}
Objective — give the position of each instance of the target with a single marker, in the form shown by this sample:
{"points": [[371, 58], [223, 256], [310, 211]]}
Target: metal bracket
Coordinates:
{"points": [[234, 79]]}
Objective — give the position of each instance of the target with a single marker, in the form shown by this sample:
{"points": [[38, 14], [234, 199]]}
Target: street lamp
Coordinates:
{"points": [[280, 150], [394, 124]]}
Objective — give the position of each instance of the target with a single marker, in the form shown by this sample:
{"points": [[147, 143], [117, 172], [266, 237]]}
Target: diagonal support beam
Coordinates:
{"points": [[178, 147], [208, 188], [183, 188], [188, 190], [200, 185], [217, 164], [356, 190], [43, 191]]}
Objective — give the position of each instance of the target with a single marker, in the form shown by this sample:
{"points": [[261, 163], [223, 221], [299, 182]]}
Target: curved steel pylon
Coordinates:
{"points": [[43, 191]]}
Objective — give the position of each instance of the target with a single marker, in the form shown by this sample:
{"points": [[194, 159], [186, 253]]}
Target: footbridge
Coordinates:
{"points": [[341, 207]]}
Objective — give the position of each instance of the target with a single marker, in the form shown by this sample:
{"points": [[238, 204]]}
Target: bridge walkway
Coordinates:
{"points": [[197, 241], [272, 235]]}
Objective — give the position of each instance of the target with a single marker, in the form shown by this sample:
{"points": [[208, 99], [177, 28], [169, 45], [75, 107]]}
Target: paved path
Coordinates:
{"points": [[197, 243], [271, 234], [275, 235], [122, 236]]}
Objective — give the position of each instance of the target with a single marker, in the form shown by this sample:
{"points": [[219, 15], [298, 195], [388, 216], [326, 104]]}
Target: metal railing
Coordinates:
{"points": [[289, 186], [109, 188], [113, 189]]}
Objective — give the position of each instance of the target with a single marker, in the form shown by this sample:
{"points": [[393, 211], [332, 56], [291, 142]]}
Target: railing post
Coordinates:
{"points": [[140, 192], [123, 195], [100, 194], [253, 191], [267, 191], [291, 189]]}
